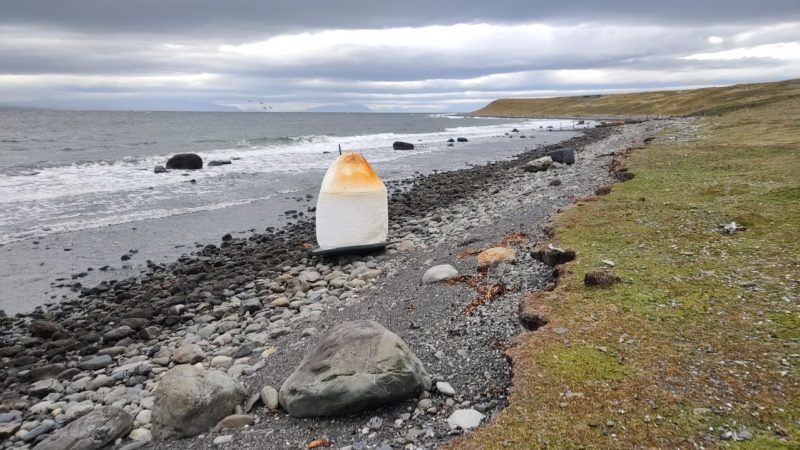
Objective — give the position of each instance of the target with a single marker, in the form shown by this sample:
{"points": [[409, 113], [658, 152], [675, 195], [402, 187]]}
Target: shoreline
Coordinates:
{"points": [[189, 299], [44, 269]]}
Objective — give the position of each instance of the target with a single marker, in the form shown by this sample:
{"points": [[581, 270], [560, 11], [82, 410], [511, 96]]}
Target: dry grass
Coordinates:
{"points": [[707, 101], [702, 337]]}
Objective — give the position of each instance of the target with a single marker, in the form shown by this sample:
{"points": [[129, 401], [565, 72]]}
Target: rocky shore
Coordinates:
{"points": [[241, 316]]}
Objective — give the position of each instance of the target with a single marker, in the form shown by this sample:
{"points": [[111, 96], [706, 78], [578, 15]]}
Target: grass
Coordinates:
{"points": [[702, 336], [707, 101]]}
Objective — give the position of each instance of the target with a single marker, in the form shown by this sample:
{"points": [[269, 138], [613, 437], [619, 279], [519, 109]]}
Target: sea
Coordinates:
{"points": [[78, 190]]}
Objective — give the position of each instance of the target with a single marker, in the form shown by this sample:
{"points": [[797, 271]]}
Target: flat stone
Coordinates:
{"points": [[143, 418], [118, 333], [95, 363], [496, 255], [141, 435], [8, 429], [99, 381], [224, 439], [445, 389], [234, 421], [93, 431], [466, 419], [220, 360], [539, 164], [439, 273], [44, 387], [188, 354]]}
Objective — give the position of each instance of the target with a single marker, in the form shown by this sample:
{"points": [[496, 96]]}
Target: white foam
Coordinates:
{"points": [[92, 194]]}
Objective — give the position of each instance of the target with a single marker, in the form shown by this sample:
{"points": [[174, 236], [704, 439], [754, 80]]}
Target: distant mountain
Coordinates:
{"points": [[344, 107], [12, 107]]}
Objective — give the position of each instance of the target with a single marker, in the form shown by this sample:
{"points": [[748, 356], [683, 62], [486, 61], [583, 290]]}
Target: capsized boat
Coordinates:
{"points": [[352, 207]]}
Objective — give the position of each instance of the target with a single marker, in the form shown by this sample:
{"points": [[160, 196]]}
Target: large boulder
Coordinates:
{"points": [[563, 156], [358, 365], [188, 161], [539, 164], [95, 430], [398, 145], [189, 400]]}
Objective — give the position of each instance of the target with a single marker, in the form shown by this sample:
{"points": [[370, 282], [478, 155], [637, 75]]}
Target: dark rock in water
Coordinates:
{"points": [[451, 140], [398, 145], [555, 182], [185, 161], [159, 169], [462, 139], [358, 365], [93, 431], [219, 162], [125, 257], [450, 145], [600, 278], [563, 156], [515, 130], [46, 330]]}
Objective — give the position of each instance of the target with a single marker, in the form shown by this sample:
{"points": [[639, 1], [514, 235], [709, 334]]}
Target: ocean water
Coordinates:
{"points": [[77, 189]]}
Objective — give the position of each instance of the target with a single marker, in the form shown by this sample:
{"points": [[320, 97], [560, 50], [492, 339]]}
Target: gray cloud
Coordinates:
{"points": [[235, 16], [398, 55]]}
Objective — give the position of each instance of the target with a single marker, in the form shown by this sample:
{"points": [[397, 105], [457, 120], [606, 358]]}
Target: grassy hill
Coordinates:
{"points": [[699, 345], [707, 101]]}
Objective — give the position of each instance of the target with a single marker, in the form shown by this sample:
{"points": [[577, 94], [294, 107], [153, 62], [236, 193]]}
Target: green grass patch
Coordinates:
{"points": [[580, 365]]}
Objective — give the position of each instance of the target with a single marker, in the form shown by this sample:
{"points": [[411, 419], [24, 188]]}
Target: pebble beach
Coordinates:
{"points": [[252, 307]]}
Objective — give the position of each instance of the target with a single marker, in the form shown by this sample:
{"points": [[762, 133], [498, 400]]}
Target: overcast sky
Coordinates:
{"points": [[408, 55]]}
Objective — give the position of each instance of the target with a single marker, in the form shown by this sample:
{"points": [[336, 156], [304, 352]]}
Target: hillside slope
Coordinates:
{"points": [[707, 101], [698, 346]]}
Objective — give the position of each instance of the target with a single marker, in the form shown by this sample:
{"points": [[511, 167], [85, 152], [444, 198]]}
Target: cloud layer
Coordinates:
{"points": [[443, 56]]}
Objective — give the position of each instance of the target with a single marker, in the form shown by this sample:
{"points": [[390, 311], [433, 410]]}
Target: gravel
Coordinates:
{"points": [[253, 307]]}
